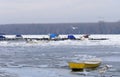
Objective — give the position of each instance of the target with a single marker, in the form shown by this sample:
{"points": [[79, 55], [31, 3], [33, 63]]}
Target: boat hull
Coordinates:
{"points": [[80, 66], [74, 65]]}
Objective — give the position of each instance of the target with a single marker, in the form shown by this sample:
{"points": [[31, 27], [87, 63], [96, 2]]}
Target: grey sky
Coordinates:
{"points": [[57, 11]]}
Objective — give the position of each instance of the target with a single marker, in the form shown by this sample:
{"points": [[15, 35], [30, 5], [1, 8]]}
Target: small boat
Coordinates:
{"points": [[77, 66]]}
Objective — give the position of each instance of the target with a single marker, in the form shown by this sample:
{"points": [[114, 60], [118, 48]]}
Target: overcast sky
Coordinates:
{"points": [[58, 11]]}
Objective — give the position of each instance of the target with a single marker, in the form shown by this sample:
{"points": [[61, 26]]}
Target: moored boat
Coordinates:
{"points": [[77, 66]]}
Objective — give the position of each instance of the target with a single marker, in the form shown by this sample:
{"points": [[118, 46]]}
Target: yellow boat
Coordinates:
{"points": [[82, 65]]}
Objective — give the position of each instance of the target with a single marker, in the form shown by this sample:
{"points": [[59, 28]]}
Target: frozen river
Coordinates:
{"points": [[51, 60]]}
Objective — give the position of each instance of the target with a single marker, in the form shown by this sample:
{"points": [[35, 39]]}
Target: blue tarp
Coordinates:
{"points": [[71, 37], [2, 37], [53, 35], [18, 35]]}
